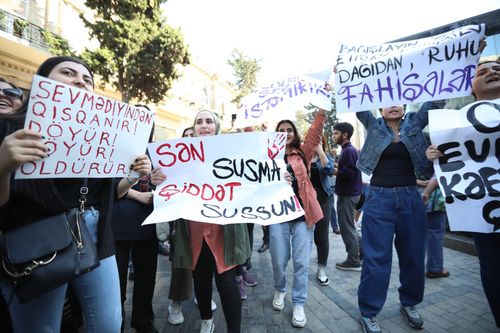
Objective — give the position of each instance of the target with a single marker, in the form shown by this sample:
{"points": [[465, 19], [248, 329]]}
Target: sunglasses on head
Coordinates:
{"points": [[12, 93]]}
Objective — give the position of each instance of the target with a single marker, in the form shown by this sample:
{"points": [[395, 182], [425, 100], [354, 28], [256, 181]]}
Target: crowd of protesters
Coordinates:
{"points": [[402, 206]]}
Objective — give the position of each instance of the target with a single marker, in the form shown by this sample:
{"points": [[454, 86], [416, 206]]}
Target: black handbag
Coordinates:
{"points": [[86, 258], [48, 253], [39, 257]]}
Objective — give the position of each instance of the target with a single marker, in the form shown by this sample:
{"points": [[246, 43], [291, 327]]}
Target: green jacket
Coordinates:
{"points": [[236, 245]]}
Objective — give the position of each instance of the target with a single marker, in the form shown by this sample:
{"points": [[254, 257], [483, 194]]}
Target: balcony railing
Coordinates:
{"points": [[22, 28]]}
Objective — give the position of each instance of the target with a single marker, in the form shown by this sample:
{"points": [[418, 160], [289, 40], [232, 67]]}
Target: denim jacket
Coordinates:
{"points": [[380, 136], [326, 174]]}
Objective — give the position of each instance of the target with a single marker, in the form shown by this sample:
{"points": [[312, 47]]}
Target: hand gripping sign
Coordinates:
{"points": [[468, 172], [223, 179], [88, 136]]}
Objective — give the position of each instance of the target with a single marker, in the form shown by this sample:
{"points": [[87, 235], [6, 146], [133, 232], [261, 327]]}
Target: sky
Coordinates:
{"points": [[292, 37]]}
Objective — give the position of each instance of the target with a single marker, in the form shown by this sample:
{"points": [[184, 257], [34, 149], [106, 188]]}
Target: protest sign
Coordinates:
{"points": [[469, 173], [88, 136], [437, 67], [282, 96], [223, 179]]}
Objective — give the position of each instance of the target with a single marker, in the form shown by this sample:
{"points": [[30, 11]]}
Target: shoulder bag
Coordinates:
{"points": [[48, 253]]}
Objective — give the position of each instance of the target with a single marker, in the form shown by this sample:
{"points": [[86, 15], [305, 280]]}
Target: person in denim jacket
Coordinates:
{"points": [[394, 153]]}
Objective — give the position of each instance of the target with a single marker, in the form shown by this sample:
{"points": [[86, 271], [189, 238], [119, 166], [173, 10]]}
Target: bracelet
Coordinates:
{"points": [[129, 181]]}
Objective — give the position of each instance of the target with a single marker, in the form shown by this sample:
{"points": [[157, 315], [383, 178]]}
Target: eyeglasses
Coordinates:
{"points": [[12, 93]]}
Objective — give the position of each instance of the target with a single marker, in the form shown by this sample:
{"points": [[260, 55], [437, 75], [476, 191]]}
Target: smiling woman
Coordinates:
{"points": [[11, 97]]}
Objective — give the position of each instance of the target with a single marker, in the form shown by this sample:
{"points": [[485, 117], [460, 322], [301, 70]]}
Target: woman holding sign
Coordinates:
{"points": [[486, 87], [295, 237], [30, 200], [213, 250], [393, 153]]}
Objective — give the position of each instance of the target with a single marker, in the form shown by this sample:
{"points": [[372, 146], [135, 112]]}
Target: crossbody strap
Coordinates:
{"points": [[84, 190]]}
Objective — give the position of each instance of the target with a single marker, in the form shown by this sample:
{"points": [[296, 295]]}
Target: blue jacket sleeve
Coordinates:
{"points": [[328, 169], [366, 118], [422, 116]]}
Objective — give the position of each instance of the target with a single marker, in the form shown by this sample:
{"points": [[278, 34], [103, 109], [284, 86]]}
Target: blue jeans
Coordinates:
{"points": [[387, 212], [435, 234], [98, 293], [294, 238]]}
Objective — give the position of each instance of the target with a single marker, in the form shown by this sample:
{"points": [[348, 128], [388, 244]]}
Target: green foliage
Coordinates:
{"points": [[245, 69], [301, 123], [20, 26], [139, 53], [331, 120], [57, 45]]}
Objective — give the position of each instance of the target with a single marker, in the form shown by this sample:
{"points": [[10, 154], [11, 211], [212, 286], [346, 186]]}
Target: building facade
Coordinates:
{"points": [[23, 48]]}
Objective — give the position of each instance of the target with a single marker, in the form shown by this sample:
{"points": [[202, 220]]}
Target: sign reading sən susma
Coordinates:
{"points": [[88, 135], [223, 179]]}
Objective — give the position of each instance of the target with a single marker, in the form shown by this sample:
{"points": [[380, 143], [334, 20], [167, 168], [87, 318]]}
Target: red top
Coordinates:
{"points": [[213, 234]]}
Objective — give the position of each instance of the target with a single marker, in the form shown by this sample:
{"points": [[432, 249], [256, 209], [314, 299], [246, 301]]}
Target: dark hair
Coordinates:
{"points": [[143, 106], [296, 136], [48, 65], [344, 128], [44, 70], [187, 129]]}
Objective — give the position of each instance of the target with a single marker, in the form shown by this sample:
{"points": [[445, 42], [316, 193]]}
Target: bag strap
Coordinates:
{"points": [[84, 190]]}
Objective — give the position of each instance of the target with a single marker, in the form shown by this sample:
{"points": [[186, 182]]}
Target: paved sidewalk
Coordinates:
{"points": [[454, 304]]}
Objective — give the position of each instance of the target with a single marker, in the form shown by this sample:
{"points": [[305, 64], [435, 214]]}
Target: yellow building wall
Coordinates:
{"points": [[194, 91]]}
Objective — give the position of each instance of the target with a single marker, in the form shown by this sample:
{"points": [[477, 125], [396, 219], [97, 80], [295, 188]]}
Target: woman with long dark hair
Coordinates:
{"points": [[26, 201], [294, 238]]}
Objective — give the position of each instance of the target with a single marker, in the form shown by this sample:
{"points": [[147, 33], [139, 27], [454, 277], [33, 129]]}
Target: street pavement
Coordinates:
{"points": [[453, 304]]}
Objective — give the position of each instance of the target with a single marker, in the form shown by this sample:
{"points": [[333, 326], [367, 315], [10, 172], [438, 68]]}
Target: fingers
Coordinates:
{"points": [[27, 134], [157, 176], [142, 165], [433, 153], [20, 147]]}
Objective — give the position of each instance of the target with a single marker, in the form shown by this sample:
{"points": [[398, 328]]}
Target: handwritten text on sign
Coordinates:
{"points": [[469, 173], [232, 178], [437, 67], [280, 96], [87, 135]]}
